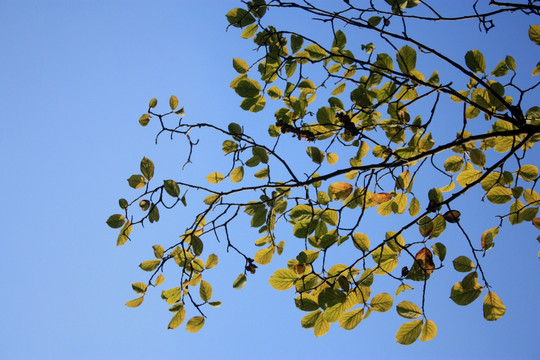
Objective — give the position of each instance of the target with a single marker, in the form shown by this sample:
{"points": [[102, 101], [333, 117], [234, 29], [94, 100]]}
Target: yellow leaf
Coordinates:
{"points": [[135, 302], [429, 331], [195, 324], [493, 307], [409, 332], [339, 190]]}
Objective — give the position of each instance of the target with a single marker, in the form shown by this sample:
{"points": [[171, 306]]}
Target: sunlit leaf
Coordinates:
{"points": [[239, 282], [149, 265], [382, 302], [135, 302], [494, 308], [214, 178], [429, 331], [195, 324], [409, 332], [408, 310], [171, 187]]}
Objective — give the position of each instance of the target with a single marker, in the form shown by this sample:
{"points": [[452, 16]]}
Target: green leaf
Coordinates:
{"points": [[205, 291], [275, 93], [406, 59], [534, 34], [197, 245], [316, 155], [306, 302], [178, 317], [439, 250], [147, 168], [249, 31], [330, 217], [248, 88], [135, 302], [283, 279], [478, 157], [153, 215], [340, 40], [139, 288], [296, 42], [408, 310], [136, 181], [361, 242], [463, 264], [475, 61], [149, 265], [528, 172], [510, 62], [351, 319], [463, 296], [171, 187], [239, 282], [429, 332], [239, 17], [116, 221], [195, 324], [501, 69], [494, 308], [240, 66], [316, 52], [382, 302], [499, 195], [409, 332], [310, 319], [214, 178], [339, 89], [414, 207]]}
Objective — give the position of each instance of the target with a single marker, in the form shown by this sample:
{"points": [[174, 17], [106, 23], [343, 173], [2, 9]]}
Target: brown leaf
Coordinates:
{"points": [[536, 222], [452, 216], [340, 190], [426, 258], [381, 198]]}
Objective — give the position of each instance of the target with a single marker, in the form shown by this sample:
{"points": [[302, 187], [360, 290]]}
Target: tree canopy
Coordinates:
{"points": [[386, 129]]}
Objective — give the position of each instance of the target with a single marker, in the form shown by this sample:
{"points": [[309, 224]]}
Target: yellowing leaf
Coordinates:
{"points": [[381, 198], [332, 158], [463, 264], [205, 291], [283, 279], [159, 280], [409, 332], [408, 310], [264, 256], [116, 221], [214, 178], [382, 302], [499, 195], [339, 190], [429, 331], [237, 174], [351, 319], [361, 241], [467, 177], [212, 261], [139, 288], [239, 282], [149, 265], [173, 102], [465, 296], [195, 324], [493, 307], [178, 317], [135, 302]]}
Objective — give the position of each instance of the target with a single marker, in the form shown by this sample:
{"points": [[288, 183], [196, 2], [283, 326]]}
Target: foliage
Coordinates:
{"points": [[378, 146]]}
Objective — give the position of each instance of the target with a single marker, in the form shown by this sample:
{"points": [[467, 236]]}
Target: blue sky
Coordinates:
{"points": [[76, 76]]}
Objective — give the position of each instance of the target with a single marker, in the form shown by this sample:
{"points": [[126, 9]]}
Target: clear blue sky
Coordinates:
{"points": [[75, 77]]}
